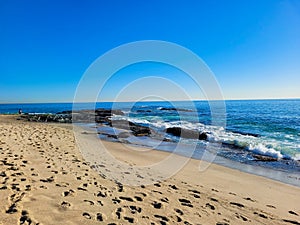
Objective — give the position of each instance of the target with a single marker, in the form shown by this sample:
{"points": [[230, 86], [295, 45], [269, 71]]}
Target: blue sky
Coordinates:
{"points": [[253, 47]]}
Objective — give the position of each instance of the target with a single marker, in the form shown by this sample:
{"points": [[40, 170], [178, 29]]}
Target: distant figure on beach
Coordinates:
{"points": [[20, 111]]}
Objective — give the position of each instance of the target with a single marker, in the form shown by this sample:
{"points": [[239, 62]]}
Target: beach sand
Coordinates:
{"points": [[44, 179]]}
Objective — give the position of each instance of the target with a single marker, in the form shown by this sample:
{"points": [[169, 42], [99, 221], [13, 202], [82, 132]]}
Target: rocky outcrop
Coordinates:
{"points": [[185, 133], [100, 116], [264, 158], [175, 109], [48, 118]]}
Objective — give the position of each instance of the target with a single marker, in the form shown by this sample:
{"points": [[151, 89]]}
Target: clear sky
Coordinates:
{"points": [[252, 46]]}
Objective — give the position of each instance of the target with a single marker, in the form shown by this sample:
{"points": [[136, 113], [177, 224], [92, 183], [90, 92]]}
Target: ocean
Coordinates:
{"points": [[268, 128]]}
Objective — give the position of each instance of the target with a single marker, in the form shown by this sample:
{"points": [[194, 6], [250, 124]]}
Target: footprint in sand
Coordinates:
{"points": [[291, 221], [214, 200], [129, 199], [118, 213], [63, 184], [156, 205], [185, 202], [134, 209], [173, 187], [86, 215], [48, 180], [101, 194], [237, 204], [129, 219], [261, 215], [81, 189], [179, 212], [157, 185], [65, 204], [116, 200], [249, 199], [68, 193], [239, 216], [12, 209], [222, 223], [100, 217], [120, 187], [166, 200], [25, 219], [208, 205], [138, 198], [293, 213], [89, 202], [162, 218]]}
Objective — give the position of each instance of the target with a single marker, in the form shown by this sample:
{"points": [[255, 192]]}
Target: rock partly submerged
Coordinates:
{"points": [[48, 118], [99, 116], [80, 116], [185, 133], [264, 158], [175, 109]]}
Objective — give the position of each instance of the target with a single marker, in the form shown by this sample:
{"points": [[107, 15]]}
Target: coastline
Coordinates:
{"points": [[287, 177], [47, 181]]}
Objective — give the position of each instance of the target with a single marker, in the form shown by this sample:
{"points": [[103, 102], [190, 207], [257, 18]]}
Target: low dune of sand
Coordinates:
{"points": [[44, 179]]}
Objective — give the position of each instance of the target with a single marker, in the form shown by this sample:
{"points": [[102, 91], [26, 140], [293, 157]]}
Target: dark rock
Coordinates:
{"points": [[143, 111], [60, 118], [175, 109], [112, 136], [203, 136], [185, 133], [264, 158], [168, 109], [99, 115], [139, 130]]}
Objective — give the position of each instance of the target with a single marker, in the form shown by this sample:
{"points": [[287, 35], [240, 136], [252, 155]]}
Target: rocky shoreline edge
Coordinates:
{"points": [[103, 117]]}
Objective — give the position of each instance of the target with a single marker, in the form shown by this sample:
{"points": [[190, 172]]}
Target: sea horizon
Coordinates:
{"points": [[106, 101]]}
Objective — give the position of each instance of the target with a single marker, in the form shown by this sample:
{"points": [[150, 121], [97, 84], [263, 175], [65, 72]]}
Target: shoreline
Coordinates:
{"points": [[284, 177], [287, 177], [48, 181]]}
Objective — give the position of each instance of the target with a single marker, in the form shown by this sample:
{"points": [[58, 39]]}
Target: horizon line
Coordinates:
{"points": [[234, 99]]}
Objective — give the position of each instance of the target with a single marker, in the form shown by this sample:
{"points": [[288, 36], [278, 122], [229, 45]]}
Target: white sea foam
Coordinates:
{"points": [[296, 157], [257, 145], [263, 150]]}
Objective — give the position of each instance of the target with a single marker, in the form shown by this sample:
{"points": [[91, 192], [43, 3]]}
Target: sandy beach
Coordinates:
{"points": [[44, 179]]}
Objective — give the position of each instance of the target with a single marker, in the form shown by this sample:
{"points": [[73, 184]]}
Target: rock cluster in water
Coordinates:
{"points": [[50, 118], [100, 116]]}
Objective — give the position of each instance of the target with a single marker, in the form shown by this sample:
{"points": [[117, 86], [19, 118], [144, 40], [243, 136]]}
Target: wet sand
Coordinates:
{"points": [[44, 179]]}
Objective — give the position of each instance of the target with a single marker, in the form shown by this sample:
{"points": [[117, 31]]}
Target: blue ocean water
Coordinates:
{"points": [[253, 127]]}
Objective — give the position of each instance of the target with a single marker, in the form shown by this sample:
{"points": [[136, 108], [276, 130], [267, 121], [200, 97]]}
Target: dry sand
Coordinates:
{"points": [[45, 180]]}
